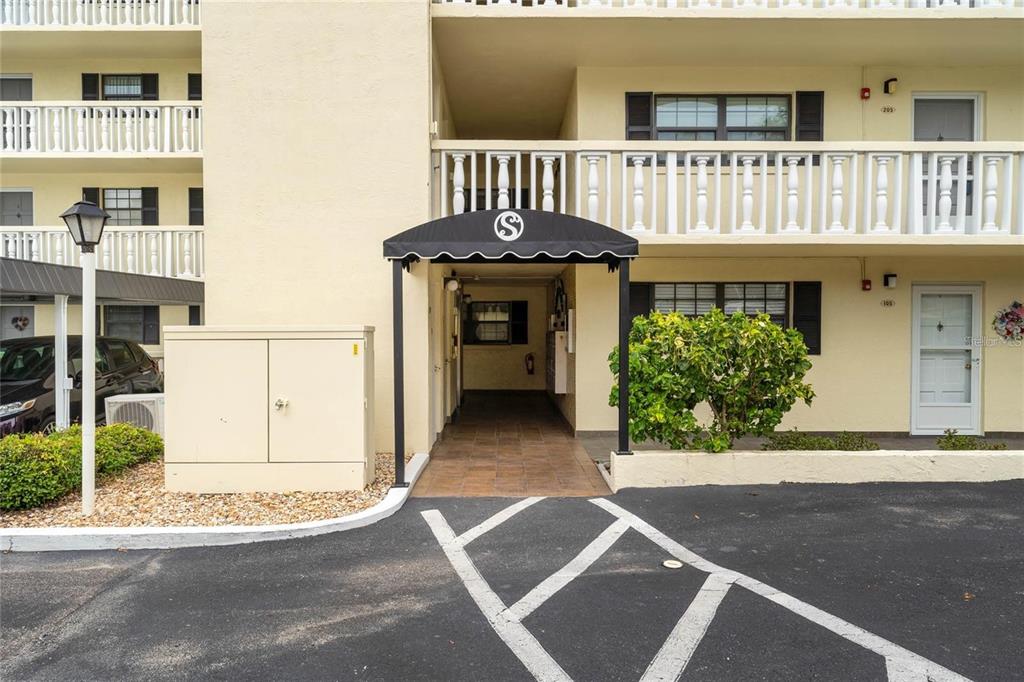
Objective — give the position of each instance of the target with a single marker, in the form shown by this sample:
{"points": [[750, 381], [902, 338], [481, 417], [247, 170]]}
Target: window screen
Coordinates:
{"points": [[138, 323]]}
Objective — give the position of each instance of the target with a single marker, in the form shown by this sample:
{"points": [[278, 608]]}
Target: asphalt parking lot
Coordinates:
{"points": [[790, 582]]}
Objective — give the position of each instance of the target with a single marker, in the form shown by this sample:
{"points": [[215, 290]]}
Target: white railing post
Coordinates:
{"points": [[459, 184], [503, 180], [548, 183], [945, 204], [671, 203]]}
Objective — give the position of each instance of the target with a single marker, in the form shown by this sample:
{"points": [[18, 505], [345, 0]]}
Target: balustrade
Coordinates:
{"points": [[707, 188], [144, 250], [836, 5], [85, 128], [113, 13]]}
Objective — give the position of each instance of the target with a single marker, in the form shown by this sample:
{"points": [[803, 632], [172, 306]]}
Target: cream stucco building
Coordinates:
{"points": [[853, 168]]}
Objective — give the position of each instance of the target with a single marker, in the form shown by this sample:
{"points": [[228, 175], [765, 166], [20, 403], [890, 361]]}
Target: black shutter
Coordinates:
{"points": [[807, 314], [195, 86], [639, 299], [150, 206], [639, 115], [151, 325], [99, 320], [518, 331], [150, 86], [91, 194], [195, 317], [195, 205], [810, 116], [90, 86]]}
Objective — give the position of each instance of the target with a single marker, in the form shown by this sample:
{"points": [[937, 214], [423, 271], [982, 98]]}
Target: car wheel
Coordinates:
{"points": [[49, 425]]}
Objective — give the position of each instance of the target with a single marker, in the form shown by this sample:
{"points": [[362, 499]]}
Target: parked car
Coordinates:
{"points": [[27, 396]]}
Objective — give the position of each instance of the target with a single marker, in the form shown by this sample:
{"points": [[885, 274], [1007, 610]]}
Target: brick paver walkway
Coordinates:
{"points": [[509, 443]]}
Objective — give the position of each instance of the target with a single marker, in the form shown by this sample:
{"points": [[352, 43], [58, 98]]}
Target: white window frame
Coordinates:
{"points": [[979, 108], [31, 193]]}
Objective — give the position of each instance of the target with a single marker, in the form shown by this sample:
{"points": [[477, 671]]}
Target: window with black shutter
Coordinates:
{"points": [[807, 314], [150, 206], [138, 323], [90, 86], [195, 205], [639, 115], [810, 116], [639, 299], [496, 323], [195, 86]]}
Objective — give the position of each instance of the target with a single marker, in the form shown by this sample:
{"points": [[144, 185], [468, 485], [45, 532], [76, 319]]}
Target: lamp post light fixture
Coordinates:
{"points": [[86, 221]]}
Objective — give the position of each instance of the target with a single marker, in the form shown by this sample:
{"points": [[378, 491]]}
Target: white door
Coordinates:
{"points": [[939, 118], [946, 370]]}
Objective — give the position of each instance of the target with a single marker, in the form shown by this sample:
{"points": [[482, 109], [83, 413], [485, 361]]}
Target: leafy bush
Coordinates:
{"points": [[36, 468], [951, 440], [749, 370], [794, 440]]}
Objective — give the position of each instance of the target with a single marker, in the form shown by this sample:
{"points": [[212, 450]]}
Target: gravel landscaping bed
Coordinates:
{"points": [[137, 498]]}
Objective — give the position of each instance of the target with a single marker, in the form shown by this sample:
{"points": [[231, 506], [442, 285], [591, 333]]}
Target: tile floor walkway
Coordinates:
{"points": [[509, 443]]}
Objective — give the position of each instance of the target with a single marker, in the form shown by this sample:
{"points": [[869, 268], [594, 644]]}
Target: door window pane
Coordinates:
{"points": [[15, 208]]}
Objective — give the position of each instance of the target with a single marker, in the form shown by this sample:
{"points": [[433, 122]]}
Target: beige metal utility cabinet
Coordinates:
{"points": [[268, 408]]}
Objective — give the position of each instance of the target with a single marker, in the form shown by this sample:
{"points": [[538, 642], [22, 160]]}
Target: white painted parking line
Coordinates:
{"points": [[904, 662], [495, 521], [556, 581], [677, 650], [675, 653], [523, 644]]}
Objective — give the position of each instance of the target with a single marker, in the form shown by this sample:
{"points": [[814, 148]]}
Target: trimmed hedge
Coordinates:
{"points": [[36, 468], [794, 440]]}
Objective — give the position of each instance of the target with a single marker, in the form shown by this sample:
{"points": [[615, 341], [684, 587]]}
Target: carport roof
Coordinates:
{"points": [[30, 278]]}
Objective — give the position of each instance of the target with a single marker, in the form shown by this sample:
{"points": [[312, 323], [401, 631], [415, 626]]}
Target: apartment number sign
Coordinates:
{"points": [[888, 109]]}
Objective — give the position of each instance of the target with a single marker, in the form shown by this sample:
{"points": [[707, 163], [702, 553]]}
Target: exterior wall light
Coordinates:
{"points": [[85, 221], [889, 281], [889, 86], [451, 284]]}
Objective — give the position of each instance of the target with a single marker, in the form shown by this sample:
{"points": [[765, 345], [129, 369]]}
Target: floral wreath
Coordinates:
{"points": [[1009, 322]]}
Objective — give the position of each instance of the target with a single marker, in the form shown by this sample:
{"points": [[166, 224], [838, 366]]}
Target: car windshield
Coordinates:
{"points": [[26, 362]]}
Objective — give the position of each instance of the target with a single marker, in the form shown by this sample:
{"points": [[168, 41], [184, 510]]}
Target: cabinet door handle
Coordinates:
{"points": [[280, 403]]}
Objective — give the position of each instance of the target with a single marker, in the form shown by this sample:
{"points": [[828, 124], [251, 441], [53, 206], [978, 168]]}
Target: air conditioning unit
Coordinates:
{"points": [[145, 410]]}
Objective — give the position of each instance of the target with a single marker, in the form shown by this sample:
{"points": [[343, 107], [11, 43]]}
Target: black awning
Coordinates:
{"points": [[511, 235]]}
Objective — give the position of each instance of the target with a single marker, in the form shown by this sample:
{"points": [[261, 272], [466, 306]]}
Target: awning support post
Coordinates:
{"points": [[62, 383], [399, 372], [625, 324]]}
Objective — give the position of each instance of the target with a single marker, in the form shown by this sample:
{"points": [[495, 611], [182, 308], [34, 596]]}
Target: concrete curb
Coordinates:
{"points": [[668, 468], [64, 539]]}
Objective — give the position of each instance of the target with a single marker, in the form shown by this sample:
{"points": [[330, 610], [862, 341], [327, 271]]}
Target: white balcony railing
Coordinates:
{"points": [[101, 128], [145, 250], [834, 5], [112, 13], [746, 188]]}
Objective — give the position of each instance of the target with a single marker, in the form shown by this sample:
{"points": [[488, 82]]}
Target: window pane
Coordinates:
{"points": [[125, 322], [124, 206], [707, 291], [664, 291], [122, 87], [775, 290], [686, 290], [664, 306]]}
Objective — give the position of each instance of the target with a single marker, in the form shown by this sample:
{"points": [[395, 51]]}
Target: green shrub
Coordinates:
{"points": [[749, 370], [37, 468], [951, 440], [794, 440]]}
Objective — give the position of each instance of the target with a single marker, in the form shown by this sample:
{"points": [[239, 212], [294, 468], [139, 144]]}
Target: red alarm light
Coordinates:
{"points": [[865, 93], [865, 285]]}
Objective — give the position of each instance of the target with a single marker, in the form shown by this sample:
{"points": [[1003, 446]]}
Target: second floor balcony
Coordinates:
{"points": [[81, 14], [750, 192], [66, 129], [156, 250]]}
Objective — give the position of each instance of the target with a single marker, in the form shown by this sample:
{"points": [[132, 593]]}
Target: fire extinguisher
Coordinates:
{"points": [[529, 363]]}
